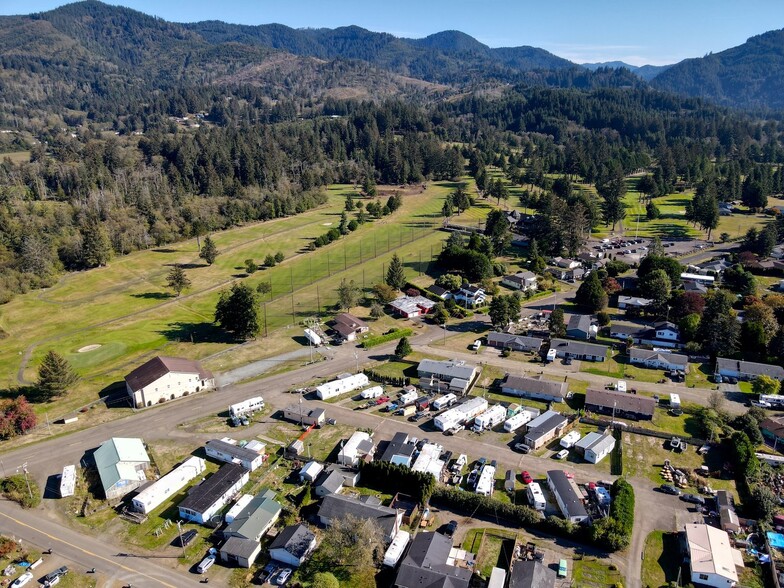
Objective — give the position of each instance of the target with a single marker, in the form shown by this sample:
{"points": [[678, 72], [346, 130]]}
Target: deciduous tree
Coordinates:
{"points": [[348, 294], [237, 311]]}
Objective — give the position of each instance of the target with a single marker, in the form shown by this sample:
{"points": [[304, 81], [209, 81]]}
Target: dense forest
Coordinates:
{"points": [[142, 132]]}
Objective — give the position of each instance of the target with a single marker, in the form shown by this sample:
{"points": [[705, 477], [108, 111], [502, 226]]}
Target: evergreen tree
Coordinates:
{"points": [[719, 329], [657, 286], [96, 247], [498, 230], [279, 257], [237, 311], [55, 376], [269, 260], [446, 209], [349, 203], [557, 323], [396, 276], [590, 295], [177, 280], [348, 294], [209, 252], [536, 262], [403, 348]]}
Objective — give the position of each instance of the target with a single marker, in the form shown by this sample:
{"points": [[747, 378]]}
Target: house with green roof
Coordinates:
{"points": [[244, 532], [121, 463]]}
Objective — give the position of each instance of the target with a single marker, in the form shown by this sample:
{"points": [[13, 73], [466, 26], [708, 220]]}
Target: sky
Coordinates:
{"points": [[655, 32]]}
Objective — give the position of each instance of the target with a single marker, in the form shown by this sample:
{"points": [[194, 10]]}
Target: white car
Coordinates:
{"points": [[562, 454], [283, 576], [22, 580], [206, 563]]}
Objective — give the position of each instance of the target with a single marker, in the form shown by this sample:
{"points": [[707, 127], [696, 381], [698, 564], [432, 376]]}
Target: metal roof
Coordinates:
{"points": [[201, 497], [256, 517], [157, 367], [116, 460], [536, 385]]}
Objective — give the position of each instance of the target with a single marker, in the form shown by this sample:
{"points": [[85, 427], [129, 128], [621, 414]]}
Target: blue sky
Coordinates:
{"points": [[655, 31]]}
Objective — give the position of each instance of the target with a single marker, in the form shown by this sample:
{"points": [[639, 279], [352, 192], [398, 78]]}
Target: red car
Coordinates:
{"points": [[527, 479], [382, 400]]}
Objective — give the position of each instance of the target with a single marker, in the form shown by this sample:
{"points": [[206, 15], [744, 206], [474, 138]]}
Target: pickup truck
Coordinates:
{"points": [[392, 407]]}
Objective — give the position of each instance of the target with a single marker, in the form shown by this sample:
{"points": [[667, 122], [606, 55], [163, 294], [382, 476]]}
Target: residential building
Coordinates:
{"points": [[747, 370], [621, 404], [594, 447], [155, 494], [470, 296], [336, 506], [695, 287], [633, 302], [411, 306], [728, 518], [304, 414], [334, 479], [689, 277], [406, 504], [240, 552], [208, 498], [565, 262], [166, 378], [341, 385], [772, 429], [440, 292], [660, 360], [447, 376], [256, 518], [567, 495], [663, 334], [310, 471], [293, 545], [121, 463], [522, 281], [399, 450], [534, 387], [347, 326], [359, 447], [229, 451], [514, 342], [544, 428], [431, 561], [578, 350], [531, 574], [579, 327], [429, 460], [624, 332], [712, 560]]}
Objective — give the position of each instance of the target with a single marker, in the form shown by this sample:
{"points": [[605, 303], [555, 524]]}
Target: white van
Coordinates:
{"points": [[476, 345], [207, 562]]}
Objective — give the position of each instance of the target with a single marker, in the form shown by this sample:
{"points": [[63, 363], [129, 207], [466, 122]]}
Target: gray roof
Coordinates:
{"points": [[295, 539], [332, 480], [634, 331], [536, 385], [425, 564], [240, 547], [749, 367], [624, 402], [448, 369], [531, 574], [602, 443], [578, 347], [399, 445], [205, 494], [569, 497], [634, 301], [242, 453], [256, 517], [335, 506], [519, 340], [580, 322], [661, 356]]}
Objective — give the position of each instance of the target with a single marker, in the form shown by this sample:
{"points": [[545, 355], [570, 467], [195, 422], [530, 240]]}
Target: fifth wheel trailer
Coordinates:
{"points": [[460, 414], [489, 419]]}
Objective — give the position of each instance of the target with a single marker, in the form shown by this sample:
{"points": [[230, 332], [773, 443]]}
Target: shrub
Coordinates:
{"points": [[476, 504], [392, 336], [391, 477], [16, 488]]}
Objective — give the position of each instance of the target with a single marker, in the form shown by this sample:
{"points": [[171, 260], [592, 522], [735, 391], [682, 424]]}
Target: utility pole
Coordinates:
{"points": [[356, 358], [179, 532], [24, 469]]}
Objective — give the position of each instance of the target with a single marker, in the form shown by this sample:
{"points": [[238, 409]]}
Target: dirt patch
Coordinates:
{"points": [[87, 348]]}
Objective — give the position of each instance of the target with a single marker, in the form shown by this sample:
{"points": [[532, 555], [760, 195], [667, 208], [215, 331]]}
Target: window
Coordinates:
{"points": [[703, 576]]}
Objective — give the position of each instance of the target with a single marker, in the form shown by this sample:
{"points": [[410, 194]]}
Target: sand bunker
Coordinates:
{"points": [[87, 348]]}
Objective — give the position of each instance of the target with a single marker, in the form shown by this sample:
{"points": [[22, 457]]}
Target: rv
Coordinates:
{"points": [[408, 398], [68, 481], [570, 439], [489, 419], [476, 345], [675, 401], [246, 407], [373, 392], [444, 401], [536, 496], [407, 410], [460, 414], [486, 483], [396, 548], [520, 419], [312, 337], [551, 355], [621, 386]]}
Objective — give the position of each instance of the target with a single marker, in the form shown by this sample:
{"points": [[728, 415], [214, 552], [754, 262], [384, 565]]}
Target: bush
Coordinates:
{"points": [[392, 336], [391, 477], [476, 504], [15, 488]]}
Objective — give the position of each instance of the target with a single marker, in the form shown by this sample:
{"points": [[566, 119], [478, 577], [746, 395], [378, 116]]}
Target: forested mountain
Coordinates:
{"points": [[747, 76], [646, 72]]}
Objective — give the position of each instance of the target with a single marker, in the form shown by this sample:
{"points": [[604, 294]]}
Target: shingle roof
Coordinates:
{"points": [[774, 425], [242, 453], [578, 347], [335, 506], [623, 401], [536, 385], [240, 547], [205, 494], [571, 499], [350, 320], [531, 574], [581, 322], [448, 368], [750, 367], [660, 356], [147, 373], [425, 564], [295, 539], [509, 339]]}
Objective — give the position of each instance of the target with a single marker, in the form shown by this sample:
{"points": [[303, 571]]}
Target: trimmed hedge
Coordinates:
{"points": [[393, 478], [380, 339], [476, 504], [390, 380]]}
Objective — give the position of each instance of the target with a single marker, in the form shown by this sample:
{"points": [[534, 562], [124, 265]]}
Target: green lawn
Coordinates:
{"points": [[661, 560], [589, 572], [618, 367]]}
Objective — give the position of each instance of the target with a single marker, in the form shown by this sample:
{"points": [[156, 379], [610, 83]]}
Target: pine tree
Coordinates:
{"points": [[96, 248], [403, 348], [177, 280], [590, 294], [396, 276], [55, 376], [209, 252]]}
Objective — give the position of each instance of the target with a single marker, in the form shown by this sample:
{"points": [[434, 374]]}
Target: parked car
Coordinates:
{"points": [[283, 576], [694, 499], [22, 580], [185, 538], [562, 454], [381, 400], [526, 477], [50, 577], [207, 562], [669, 489], [450, 529], [472, 477], [522, 447]]}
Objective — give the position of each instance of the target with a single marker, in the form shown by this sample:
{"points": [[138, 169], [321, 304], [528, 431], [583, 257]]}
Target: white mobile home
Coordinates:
{"points": [[341, 386], [486, 483], [521, 418], [460, 414], [372, 392], [490, 418], [245, 407], [444, 401], [167, 486], [229, 451]]}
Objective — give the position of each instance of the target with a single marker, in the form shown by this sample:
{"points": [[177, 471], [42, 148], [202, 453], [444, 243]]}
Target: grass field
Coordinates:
{"points": [[126, 309], [660, 560], [589, 572]]}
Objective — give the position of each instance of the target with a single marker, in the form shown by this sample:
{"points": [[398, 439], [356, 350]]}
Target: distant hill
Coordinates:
{"points": [[646, 72], [747, 76]]}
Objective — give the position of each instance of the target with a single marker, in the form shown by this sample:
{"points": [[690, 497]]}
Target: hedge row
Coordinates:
{"points": [[476, 504], [396, 334], [390, 380], [392, 478], [615, 532]]}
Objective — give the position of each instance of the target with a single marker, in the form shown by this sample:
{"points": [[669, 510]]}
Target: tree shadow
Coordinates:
{"points": [[239, 276], [202, 332], [153, 295], [30, 392], [164, 250], [187, 266]]}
